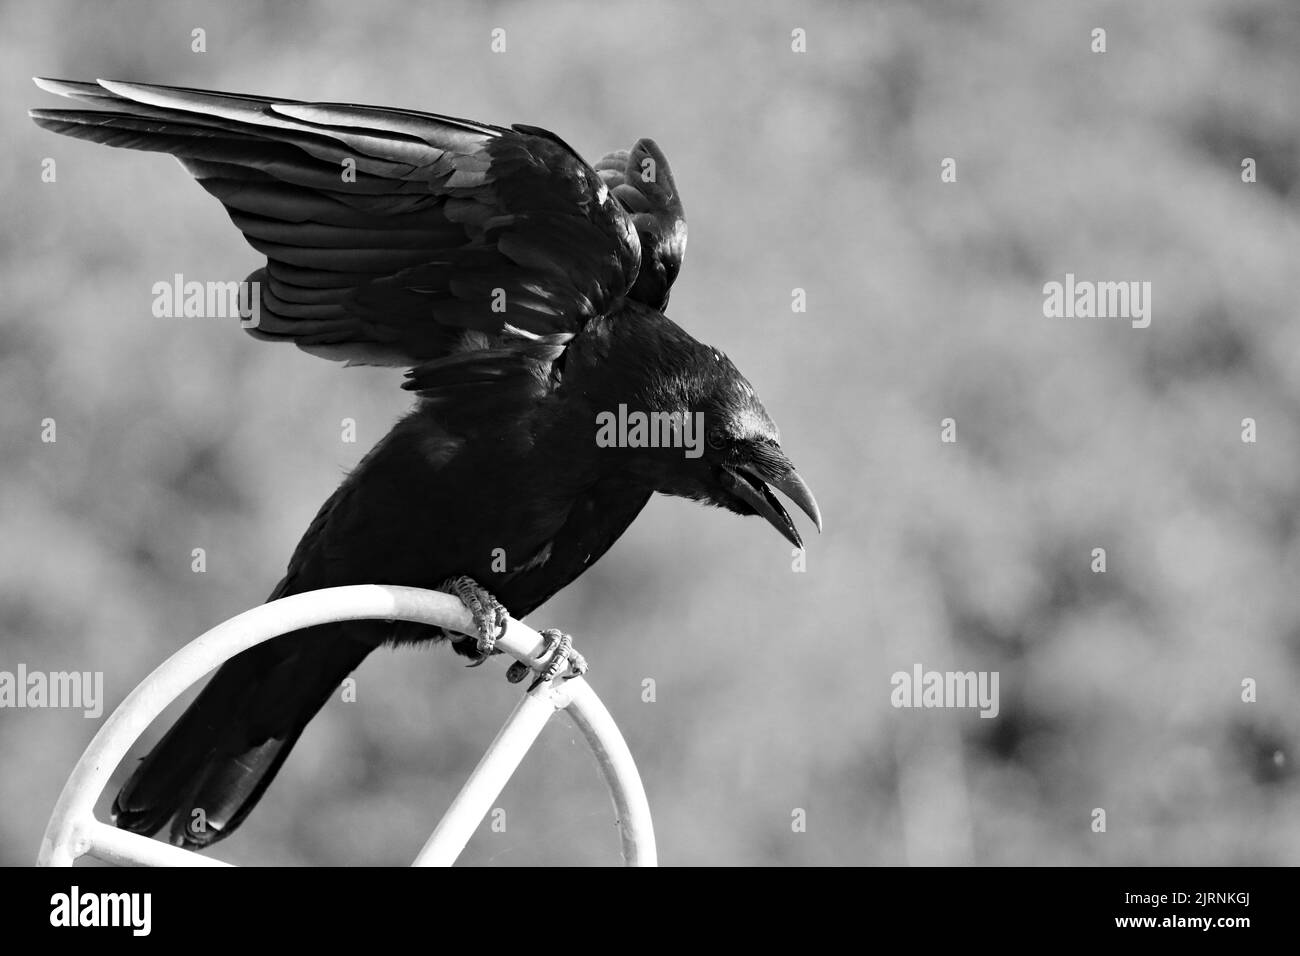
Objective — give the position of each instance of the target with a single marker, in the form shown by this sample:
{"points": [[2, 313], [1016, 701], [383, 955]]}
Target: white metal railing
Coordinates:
{"points": [[74, 831]]}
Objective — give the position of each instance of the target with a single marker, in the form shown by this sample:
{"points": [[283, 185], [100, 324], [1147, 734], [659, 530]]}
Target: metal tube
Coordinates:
{"points": [[73, 828], [631, 807], [488, 780], [125, 848]]}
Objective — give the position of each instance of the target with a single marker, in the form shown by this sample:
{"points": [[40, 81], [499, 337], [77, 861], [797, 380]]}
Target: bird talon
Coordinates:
{"points": [[517, 672], [558, 656], [577, 665], [559, 647], [489, 614]]}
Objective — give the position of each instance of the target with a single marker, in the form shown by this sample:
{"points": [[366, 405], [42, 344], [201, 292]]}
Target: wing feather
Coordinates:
{"points": [[388, 233]]}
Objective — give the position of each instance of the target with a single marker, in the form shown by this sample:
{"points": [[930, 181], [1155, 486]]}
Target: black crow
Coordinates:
{"points": [[524, 291]]}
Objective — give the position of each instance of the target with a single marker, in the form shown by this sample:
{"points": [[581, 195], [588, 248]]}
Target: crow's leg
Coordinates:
{"points": [[489, 614], [558, 656], [490, 618]]}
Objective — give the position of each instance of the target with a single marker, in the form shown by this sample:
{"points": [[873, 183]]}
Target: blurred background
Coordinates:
{"points": [[817, 171]]}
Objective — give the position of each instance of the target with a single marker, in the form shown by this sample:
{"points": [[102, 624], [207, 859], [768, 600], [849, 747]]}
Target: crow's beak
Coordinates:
{"points": [[750, 484]]}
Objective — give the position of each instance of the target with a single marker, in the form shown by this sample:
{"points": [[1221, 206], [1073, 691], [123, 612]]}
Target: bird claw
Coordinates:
{"points": [[489, 614], [490, 617], [517, 672], [558, 656]]}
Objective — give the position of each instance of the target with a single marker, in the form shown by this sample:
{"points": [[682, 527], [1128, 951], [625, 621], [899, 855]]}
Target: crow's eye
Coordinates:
{"points": [[716, 438]]}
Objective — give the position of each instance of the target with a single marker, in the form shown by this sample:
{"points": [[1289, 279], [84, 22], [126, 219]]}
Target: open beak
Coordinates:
{"points": [[752, 486]]}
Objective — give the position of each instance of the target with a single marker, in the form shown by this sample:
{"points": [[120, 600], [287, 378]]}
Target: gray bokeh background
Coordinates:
{"points": [[819, 171]]}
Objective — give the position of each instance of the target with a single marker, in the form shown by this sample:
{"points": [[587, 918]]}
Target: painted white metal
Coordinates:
{"points": [[74, 831], [631, 806], [576, 698], [488, 780]]}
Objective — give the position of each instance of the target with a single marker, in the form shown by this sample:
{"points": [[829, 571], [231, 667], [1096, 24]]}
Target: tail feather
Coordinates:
{"points": [[214, 764]]}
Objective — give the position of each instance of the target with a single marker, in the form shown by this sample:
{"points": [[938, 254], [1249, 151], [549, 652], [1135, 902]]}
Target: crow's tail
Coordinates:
{"points": [[217, 760]]}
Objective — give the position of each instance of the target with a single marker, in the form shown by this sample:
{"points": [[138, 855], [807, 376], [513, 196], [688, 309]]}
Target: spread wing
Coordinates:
{"points": [[391, 236], [642, 182]]}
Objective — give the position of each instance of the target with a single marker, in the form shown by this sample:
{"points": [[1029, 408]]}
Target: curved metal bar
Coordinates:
{"points": [[74, 831], [488, 780]]}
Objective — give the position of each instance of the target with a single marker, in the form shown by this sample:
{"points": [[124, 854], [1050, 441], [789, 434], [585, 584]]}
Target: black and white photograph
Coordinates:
{"points": [[387, 480]]}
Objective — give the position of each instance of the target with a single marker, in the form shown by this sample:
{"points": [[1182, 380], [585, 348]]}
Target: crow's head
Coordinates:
{"points": [[740, 458], [693, 426]]}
